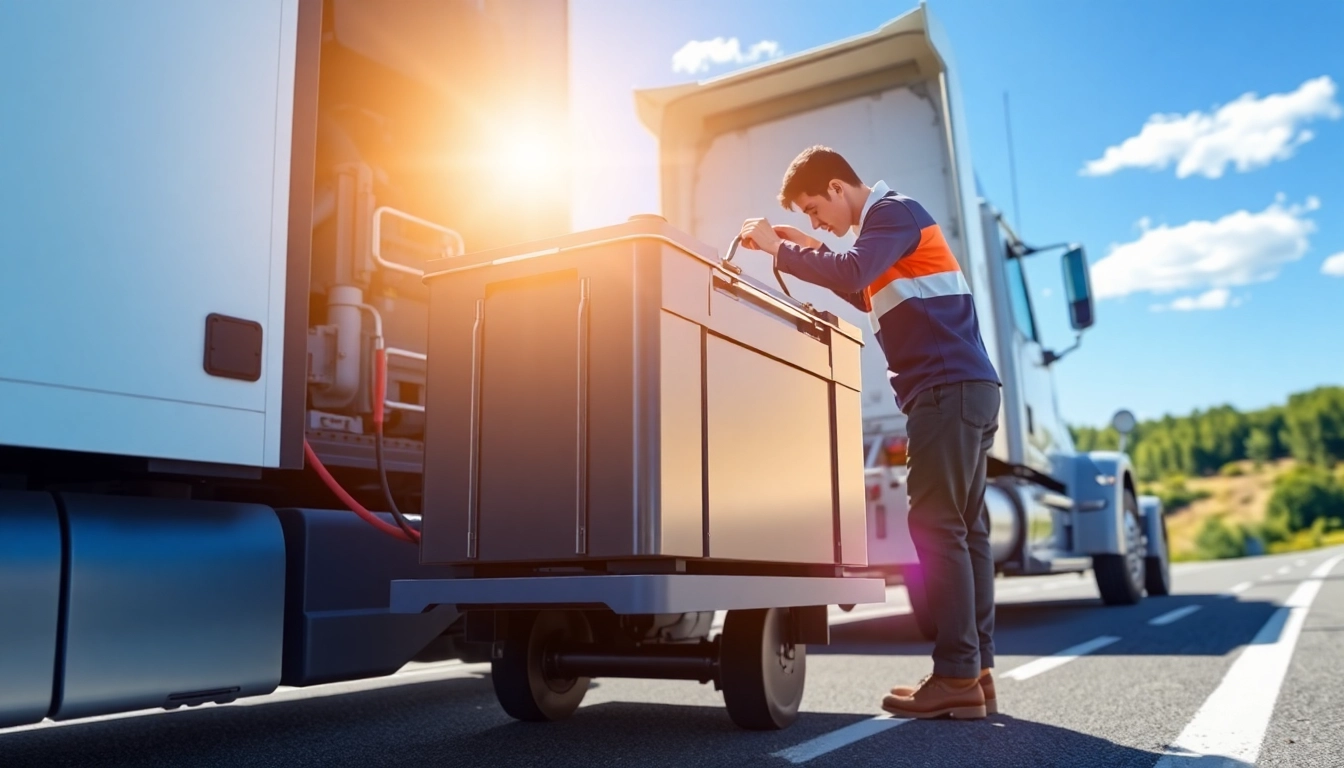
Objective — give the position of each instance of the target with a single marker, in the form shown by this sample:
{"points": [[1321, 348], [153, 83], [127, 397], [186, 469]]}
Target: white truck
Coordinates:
{"points": [[888, 101]]}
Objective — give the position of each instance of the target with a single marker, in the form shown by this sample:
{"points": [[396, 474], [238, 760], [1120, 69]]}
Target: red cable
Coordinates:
{"points": [[366, 515]]}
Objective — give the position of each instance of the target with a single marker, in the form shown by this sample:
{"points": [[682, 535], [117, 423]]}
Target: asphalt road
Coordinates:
{"points": [[1243, 666]]}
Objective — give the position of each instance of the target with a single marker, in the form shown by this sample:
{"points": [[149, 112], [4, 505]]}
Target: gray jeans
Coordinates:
{"points": [[951, 429]]}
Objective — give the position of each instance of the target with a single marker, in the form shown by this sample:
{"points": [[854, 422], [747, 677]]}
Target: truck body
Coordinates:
{"points": [[888, 101], [216, 213]]}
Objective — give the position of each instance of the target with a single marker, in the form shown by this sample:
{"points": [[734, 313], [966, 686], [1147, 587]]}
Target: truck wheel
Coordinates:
{"points": [[919, 602], [524, 686], [1120, 578], [761, 670], [1158, 567]]}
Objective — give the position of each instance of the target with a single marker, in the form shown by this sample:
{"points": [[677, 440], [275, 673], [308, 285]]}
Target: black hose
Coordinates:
{"points": [[402, 522]]}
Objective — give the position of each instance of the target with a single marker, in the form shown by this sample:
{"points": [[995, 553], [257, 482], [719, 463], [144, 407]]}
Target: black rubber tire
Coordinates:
{"points": [[919, 602], [524, 688], [1157, 568], [762, 685], [1119, 578]]}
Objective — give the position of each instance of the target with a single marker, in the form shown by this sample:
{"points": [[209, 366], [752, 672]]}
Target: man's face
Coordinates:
{"points": [[828, 213]]}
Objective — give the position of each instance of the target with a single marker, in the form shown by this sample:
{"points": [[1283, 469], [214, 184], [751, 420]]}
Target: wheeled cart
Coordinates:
{"points": [[624, 435], [551, 634]]}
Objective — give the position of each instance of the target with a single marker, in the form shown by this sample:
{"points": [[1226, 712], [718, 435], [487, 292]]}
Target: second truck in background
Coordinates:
{"points": [[888, 101]]}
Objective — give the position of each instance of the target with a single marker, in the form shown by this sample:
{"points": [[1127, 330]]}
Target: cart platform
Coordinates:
{"points": [[638, 593]]}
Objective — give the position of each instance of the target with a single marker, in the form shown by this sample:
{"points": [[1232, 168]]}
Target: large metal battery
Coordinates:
{"points": [[620, 393]]}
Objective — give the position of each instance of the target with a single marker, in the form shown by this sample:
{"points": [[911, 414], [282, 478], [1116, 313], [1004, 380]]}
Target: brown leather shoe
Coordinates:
{"points": [[935, 696], [986, 685]]}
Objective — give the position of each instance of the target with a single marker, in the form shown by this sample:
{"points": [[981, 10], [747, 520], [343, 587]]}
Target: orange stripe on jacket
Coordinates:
{"points": [[930, 257]]}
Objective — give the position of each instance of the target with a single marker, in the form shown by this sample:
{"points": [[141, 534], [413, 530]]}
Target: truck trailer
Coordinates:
{"points": [[889, 102]]}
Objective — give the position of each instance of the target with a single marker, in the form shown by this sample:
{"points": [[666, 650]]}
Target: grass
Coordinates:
{"points": [[1234, 498]]}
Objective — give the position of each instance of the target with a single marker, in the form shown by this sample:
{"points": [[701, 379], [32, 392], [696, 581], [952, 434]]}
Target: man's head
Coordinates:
{"points": [[821, 184]]}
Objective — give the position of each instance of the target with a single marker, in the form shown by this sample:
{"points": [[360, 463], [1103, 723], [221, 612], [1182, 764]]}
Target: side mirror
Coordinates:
{"points": [[1078, 285], [1124, 423]]}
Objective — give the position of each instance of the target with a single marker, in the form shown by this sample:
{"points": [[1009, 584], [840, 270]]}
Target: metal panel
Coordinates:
{"points": [[851, 508], [169, 601], [740, 318], [846, 366], [769, 455], [154, 151], [681, 472], [30, 601], [530, 418], [505, 409]]}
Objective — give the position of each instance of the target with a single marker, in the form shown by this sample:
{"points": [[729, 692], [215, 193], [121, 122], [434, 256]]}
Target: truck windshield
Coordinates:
{"points": [[1021, 299]]}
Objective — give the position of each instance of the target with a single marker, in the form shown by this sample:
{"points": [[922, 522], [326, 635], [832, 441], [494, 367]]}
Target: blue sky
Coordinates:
{"points": [[1215, 286]]}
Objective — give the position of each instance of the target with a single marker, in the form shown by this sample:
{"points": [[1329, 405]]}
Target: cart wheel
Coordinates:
{"points": [[761, 671], [525, 688]]}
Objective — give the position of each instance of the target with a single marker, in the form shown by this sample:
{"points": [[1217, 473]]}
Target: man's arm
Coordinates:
{"points": [[891, 233]]}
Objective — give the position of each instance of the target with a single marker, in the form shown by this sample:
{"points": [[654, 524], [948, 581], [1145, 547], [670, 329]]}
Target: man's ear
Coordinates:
{"points": [[837, 187]]}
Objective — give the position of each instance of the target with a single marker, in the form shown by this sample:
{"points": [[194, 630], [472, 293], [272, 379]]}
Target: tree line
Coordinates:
{"points": [[1309, 428], [1307, 502]]}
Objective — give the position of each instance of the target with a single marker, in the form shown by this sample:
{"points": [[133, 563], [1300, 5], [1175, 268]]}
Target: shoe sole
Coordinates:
{"points": [[956, 713], [991, 705]]}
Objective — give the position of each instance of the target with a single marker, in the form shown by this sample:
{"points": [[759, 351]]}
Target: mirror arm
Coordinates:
{"points": [[1051, 357]]}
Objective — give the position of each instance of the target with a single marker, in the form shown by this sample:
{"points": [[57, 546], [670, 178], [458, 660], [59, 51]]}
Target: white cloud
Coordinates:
{"points": [[1238, 249], [699, 55], [1249, 133], [1218, 298], [1334, 265]]}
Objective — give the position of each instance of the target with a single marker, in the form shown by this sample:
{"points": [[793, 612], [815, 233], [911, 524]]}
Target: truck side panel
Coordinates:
{"points": [[151, 190]]}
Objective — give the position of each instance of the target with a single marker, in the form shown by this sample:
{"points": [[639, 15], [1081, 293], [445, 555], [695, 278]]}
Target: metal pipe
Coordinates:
{"points": [[344, 305], [376, 241], [699, 662], [406, 353]]}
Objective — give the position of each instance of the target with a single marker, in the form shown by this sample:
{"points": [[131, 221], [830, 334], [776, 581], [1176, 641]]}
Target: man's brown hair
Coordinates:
{"points": [[811, 171]]}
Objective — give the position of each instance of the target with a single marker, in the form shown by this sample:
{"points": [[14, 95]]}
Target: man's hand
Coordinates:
{"points": [[758, 235], [795, 235]]}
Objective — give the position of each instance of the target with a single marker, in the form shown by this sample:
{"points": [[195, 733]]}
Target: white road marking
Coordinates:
{"points": [[809, 750], [1242, 587], [1230, 726], [1283, 570], [1299, 562], [1267, 577], [1173, 616], [1034, 668]]}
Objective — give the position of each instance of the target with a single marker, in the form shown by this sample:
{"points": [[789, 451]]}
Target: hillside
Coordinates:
{"points": [[1239, 499]]}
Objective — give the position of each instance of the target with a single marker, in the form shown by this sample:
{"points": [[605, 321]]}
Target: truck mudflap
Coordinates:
{"points": [[338, 624]]}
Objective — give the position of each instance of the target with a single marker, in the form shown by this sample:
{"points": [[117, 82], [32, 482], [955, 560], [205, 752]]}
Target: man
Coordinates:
{"points": [[903, 274]]}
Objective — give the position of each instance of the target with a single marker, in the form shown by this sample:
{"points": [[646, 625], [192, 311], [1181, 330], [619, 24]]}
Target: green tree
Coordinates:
{"points": [[1259, 447], [1314, 426], [1217, 540], [1303, 496]]}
